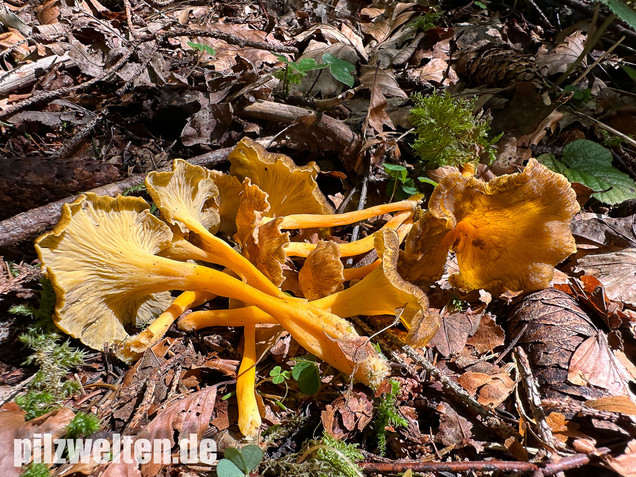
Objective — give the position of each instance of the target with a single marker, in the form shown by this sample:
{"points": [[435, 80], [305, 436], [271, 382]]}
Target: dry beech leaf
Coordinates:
{"points": [[347, 414], [562, 56], [373, 77], [492, 389], [377, 115], [622, 404], [593, 363], [624, 464], [488, 336], [453, 333], [454, 430], [616, 270], [13, 426]]}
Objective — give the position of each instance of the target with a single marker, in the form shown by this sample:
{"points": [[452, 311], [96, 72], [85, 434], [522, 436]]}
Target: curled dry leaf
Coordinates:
{"points": [[491, 389]]}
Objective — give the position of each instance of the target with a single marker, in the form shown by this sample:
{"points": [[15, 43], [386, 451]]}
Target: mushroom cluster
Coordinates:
{"points": [[113, 264]]}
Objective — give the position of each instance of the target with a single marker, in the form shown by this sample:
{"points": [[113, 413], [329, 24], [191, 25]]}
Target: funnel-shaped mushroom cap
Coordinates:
{"points": [[322, 273], [181, 195], [508, 233], [227, 201], [264, 245], [385, 292], [291, 189], [97, 257]]}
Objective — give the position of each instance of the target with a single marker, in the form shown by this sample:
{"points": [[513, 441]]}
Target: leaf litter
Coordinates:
{"points": [[123, 91]]}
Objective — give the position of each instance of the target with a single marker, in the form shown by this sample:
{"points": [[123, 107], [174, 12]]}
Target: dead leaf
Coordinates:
{"points": [[622, 404], [593, 363], [624, 464], [616, 270], [13, 426], [374, 77], [488, 336], [454, 430], [377, 115], [562, 56], [453, 333], [348, 414], [492, 389]]}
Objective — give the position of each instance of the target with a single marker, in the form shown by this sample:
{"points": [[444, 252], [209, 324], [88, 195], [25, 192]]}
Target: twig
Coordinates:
{"points": [[227, 37], [49, 95], [400, 466], [35, 221], [534, 400]]}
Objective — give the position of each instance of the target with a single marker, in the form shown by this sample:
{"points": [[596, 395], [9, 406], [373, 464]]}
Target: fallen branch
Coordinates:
{"points": [[28, 224], [333, 133]]}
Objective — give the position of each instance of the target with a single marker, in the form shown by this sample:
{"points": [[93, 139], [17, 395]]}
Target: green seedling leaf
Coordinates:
{"points": [[396, 171], [426, 180], [201, 47], [308, 377], [590, 164], [308, 64], [581, 95], [225, 468], [278, 375], [235, 456], [252, 456], [481, 5], [340, 69]]}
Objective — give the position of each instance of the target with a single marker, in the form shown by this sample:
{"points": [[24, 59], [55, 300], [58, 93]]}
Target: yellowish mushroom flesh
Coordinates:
{"points": [[249, 419]]}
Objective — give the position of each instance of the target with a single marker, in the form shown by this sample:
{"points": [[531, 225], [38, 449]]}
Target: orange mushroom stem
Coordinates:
{"points": [[304, 221]]}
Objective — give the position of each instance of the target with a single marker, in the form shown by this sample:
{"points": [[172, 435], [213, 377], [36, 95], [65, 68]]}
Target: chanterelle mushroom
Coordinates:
{"points": [[102, 264], [508, 233]]}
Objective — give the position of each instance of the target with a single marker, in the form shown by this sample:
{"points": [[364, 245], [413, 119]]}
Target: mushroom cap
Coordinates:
{"points": [[290, 189], [264, 245], [97, 258], [322, 273], [227, 201], [184, 195], [508, 233]]}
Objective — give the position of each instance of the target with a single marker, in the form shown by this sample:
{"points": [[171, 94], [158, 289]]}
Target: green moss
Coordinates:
{"points": [[82, 425], [446, 131], [36, 470], [49, 386], [388, 415]]}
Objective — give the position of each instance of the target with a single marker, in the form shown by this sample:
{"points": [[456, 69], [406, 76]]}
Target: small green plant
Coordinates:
{"points": [[202, 48], [340, 455], [36, 470], [447, 132], [401, 186], [590, 164], [293, 72], [427, 21], [580, 95], [239, 463], [49, 386], [305, 372], [82, 425], [625, 12], [388, 415]]}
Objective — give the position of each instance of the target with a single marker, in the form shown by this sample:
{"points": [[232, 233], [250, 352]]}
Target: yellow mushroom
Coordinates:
{"points": [[249, 419], [382, 292], [181, 196], [508, 233], [101, 260]]}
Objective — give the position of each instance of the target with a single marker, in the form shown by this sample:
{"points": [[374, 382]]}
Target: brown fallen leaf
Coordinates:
{"points": [[13, 426], [454, 430], [491, 389], [453, 333], [616, 270], [622, 404], [593, 363], [562, 56], [348, 414], [624, 464], [488, 336]]}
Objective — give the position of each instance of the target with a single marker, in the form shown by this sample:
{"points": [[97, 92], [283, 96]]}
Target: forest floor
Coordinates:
{"points": [[96, 95]]}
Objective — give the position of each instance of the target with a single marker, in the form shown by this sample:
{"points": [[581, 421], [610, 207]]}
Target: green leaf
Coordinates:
{"points": [[234, 456], [225, 468], [201, 47], [396, 171], [624, 11], [340, 69], [590, 164], [252, 456], [426, 180], [307, 375], [308, 64]]}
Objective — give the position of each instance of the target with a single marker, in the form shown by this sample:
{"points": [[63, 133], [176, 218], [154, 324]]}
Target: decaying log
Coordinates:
{"points": [[28, 224]]}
